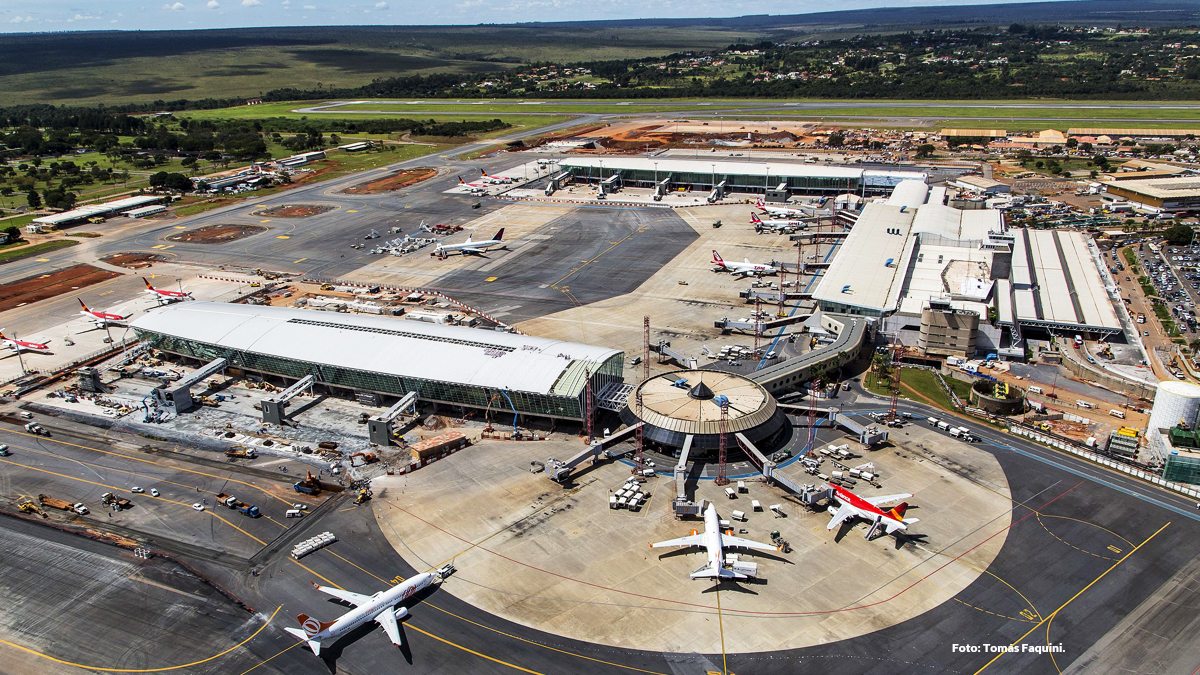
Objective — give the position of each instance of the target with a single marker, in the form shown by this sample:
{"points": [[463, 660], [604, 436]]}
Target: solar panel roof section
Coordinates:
{"points": [[385, 345]]}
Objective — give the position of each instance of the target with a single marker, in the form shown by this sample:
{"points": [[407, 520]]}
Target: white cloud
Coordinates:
{"points": [[382, 4], [21, 19], [213, 4], [176, 7], [310, 7], [82, 17], [251, 3]]}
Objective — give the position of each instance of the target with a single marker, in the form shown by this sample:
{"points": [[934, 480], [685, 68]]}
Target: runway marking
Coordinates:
{"points": [[163, 246], [471, 651], [1067, 543], [214, 657], [295, 262], [42, 259], [133, 458], [721, 625], [1028, 619], [272, 657], [352, 211], [181, 227], [265, 220], [282, 236], [1071, 599], [491, 279]]}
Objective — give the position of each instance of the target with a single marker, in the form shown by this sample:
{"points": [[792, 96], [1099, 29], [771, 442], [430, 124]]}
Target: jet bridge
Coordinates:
{"points": [[661, 188], [379, 427], [273, 409], [718, 192], [809, 495], [177, 395], [683, 505], [560, 471]]}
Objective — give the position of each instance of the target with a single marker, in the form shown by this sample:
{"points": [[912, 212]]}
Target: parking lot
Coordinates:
{"points": [[1173, 274]]}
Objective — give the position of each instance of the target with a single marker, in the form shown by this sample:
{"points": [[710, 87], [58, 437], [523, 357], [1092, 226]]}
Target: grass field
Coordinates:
{"points": [[10, 254], [922, 382], [95, 68]]}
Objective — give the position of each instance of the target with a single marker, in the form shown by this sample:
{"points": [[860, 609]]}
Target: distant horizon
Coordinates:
{"points": [[65, 16]]}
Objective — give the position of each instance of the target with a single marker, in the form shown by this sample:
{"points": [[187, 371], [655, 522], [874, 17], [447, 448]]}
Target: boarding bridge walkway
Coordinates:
{"points": [[560, 471], [273, 409], [379, 427]]}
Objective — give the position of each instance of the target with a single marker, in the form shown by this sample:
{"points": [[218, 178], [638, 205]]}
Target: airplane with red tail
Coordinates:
{"points": [[24, 345], [101, 319], [164, 296], [871, 510]]}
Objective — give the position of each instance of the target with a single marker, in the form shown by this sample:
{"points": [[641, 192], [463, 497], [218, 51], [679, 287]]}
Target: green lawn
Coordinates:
{"points": [[11, 254], [919, 380]]}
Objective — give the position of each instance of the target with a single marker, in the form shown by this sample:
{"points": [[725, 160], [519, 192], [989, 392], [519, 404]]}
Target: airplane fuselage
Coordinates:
{"points": [[383, 600]]}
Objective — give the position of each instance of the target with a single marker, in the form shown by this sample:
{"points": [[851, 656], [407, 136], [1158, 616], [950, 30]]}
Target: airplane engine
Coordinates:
{"points": [[401, 612]]}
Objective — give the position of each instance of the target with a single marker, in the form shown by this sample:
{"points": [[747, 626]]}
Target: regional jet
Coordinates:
{"points": [[101, 319], [164, 296], [471, 246], [379, 608], [741, 269], [870, 509], [24, 345], [782, 212], [715, 542]]}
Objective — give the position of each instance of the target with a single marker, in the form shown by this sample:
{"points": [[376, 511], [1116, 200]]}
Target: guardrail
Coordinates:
{"points": [[1059, 444]]}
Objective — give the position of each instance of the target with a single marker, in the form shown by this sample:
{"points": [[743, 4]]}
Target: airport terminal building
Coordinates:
{"points": [[354, 353], [753, 177]]}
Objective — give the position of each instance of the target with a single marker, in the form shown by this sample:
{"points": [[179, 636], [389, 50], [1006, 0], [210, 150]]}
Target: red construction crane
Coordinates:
{"points": [[722, 479], [896, 352], [639, 456]]}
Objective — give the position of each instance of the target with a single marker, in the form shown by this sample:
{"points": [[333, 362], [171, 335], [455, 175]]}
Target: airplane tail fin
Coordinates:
{"points": [[898, 511], [717, 258], [460, 180], [499, 235], [312, 626], [85, 307], [711, 572], [754, 218], [147, 282]]}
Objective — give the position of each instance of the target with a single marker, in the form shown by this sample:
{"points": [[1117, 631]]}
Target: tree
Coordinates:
{"points": [[924, 150], [13, 232], [1072, 143], [59, 198], [1180, 235], [34, 199], [836, 140]]}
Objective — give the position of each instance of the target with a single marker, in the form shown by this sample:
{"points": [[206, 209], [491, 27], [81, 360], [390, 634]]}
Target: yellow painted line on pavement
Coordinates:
{"points": [[1051, 615], [181, 227], [282, 236], [491, 279], [265, 220], [299, 261], [181, 666], [352, 211], [43, 259]]}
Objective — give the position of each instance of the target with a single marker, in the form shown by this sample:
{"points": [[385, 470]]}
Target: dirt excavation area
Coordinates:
{"points": [[293, 211], [216, 234], [396, 181], [640, 136], [133, 261], [42, 286]]}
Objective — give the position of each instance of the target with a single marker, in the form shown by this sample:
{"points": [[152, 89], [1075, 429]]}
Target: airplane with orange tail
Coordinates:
{"points": [[871, 510]]}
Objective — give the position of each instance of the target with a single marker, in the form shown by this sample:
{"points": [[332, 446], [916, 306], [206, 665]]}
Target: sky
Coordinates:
{"points": [[26, 16]]}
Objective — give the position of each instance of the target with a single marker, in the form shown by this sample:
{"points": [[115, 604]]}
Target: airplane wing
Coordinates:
{"points": [[692, 540], [355, 599], [886, 500], [746, 543], [387, 619], [840, 516]]}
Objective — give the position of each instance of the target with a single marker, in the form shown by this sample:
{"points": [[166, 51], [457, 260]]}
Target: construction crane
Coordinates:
{"points": [[722, 452], [639, 454], [893, 415]]}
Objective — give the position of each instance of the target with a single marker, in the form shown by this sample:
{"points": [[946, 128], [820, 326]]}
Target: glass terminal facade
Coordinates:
{"points": [[565, 400]]}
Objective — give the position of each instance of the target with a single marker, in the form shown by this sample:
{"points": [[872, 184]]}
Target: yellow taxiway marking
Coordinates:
{"points": [[43, 259], [163, 246], [265, 220], [181, 666], [491, 279], [299, 261], [721, 625], [352, 211], [282, 236], [181, 227], [1051, 615]]}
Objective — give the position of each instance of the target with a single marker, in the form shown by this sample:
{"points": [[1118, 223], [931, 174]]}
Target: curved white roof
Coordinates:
{"points": [[387, 345]]}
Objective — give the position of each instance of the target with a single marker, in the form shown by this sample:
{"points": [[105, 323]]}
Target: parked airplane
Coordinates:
{"points": [[870, 509], [377, 607], [495, 180], [715, 542], [101, 319], [473, 187], [24, 345], [799, 211], [742, 269], [773, 225], [471, 246], [164, 296]]}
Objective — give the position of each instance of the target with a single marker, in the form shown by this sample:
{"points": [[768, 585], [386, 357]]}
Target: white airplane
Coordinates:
{"points": [[377, 607], [783, 212], [870, 509], [741, 269], [98, 317], [774, 225], [471, 246], [715, 542], [495, 180], [164, 296], [19, 346]]}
